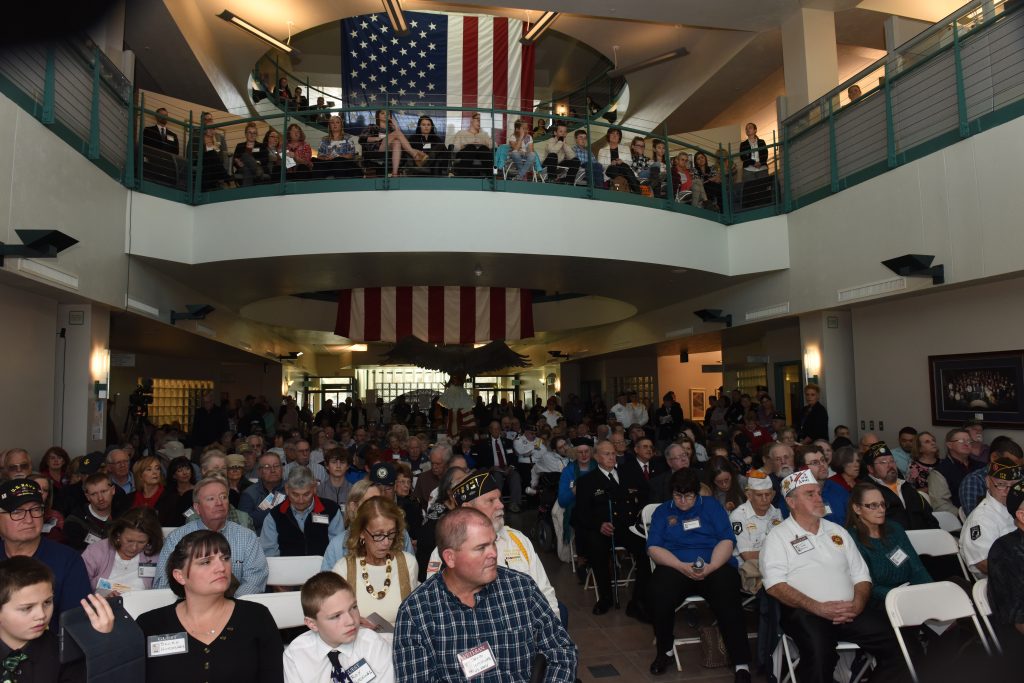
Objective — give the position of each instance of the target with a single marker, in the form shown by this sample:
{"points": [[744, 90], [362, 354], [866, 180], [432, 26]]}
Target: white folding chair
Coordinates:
{"points": [[914, 605], [139, 602], [292, 571], [961, 515], [947, 521], [979, 592], [937, 543], [286, 608], [847, 652], [167, 530]]}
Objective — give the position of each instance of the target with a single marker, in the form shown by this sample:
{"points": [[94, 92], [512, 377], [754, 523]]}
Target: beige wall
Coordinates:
{"points": [[30, 353], [681, 377], [892, 342]]}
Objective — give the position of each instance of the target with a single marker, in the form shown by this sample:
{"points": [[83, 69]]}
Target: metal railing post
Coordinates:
{"points": [[787, 198], [94, 110], [141, 133], [728, 172], [961, 97], [198, 147], [590, 156], [49, 84], [283, 145], [833, 162], [387, 145], [129, 165], [890, 125]]}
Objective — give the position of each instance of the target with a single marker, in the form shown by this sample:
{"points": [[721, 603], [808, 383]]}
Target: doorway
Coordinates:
{"points": [[789, 395]]}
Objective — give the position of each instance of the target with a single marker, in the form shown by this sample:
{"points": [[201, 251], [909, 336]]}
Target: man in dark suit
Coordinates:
{"points": [[609, 500], [642, 463], [495, 453], [160, 136]]}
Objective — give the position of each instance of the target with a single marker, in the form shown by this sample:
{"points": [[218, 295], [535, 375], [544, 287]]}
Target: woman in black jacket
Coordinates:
{"points": [[426, 139]]}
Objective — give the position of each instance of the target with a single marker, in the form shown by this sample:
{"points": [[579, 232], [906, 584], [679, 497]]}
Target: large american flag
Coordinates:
{"points": [[446, 60]]}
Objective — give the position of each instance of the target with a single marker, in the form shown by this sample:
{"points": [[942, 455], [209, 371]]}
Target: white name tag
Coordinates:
{"points": [[828, 509], [897, 557], [802, 544], [169, 644], [268, 502], [360, 672], [147, 570], [426, 146], [477, 660], [691, 524], [92, 538], [255, 149], [320, 519], [48, 527], [188, 514], [170, 138]]}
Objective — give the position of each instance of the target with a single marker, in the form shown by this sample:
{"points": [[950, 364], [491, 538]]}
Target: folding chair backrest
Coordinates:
{"points": [[139, 602], [292, 571], [947, 521], [979, 592], [934, 542], [286, 608], [647, 514], [167, 530], [913, 605]]}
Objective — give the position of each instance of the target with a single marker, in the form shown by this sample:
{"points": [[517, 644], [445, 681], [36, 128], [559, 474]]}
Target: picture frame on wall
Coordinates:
{"points": [[698, 404], [988, 387]]}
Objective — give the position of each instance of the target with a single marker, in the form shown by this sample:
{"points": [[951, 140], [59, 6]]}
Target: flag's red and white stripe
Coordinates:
{"points": [[488, 68], [449, 315]]}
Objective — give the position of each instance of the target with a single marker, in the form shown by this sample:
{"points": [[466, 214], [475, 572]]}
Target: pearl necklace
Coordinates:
{"points": [[379, 595]]}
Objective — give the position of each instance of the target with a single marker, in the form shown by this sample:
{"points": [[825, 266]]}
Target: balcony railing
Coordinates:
{"points": [[962, 76]]}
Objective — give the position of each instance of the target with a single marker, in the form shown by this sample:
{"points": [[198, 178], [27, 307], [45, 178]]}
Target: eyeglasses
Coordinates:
{"points": [[1003, 485], [19, 514], [814, 463], [267, 468], [380, 538], [685, 497], [19, 466], [963, 442], [874, 506]]}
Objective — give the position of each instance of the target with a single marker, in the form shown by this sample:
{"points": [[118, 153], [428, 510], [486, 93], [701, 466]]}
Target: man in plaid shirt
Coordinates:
{"points": [[477, 620]]}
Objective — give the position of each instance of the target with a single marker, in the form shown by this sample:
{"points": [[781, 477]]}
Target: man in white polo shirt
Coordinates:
{"points": [[812, 567], [989, 520]]}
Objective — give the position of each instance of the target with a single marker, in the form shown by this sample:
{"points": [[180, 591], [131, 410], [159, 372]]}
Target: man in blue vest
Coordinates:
{"points": [[303, 524]]}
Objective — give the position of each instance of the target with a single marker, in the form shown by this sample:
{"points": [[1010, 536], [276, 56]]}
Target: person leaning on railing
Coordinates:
{"points": [[336, 156], [250, 157], [472, 148], [427, 140]]}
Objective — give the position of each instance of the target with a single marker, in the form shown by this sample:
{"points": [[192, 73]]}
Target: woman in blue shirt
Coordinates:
{"points": [[691, 541]]}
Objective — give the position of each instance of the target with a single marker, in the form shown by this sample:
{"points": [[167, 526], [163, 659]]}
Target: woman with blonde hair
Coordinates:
{"points": [[149, 482], [383, 574]]}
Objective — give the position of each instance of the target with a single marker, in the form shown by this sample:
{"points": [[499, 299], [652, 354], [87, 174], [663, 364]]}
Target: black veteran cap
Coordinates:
{"points": [[876, 450], [16, 492], [473, 487], [1014, 498]]}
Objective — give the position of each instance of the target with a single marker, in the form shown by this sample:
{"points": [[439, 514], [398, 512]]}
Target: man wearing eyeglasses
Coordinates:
{"points": [[21, 527], [834, 496], [303, 524], [17, 464], [990, 520], [945, 478], [903, 504], [259, 499]]}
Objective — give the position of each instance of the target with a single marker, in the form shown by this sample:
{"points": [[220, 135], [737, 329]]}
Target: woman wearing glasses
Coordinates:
{"points": [[126, 561], [381, 572], [890, 557]]}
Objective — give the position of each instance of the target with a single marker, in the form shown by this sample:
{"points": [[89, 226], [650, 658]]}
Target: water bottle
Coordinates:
{"points": [[698, 565]]}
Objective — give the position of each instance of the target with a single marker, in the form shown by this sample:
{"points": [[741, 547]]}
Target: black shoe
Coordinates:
{"points": [[742, 676], [636, 610], [601, 607], [581, 574], [660, 664]]}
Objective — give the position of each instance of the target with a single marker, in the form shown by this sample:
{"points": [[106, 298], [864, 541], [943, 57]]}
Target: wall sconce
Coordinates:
{"points": [[812, 364]]}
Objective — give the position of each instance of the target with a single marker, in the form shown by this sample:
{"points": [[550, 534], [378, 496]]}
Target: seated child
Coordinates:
{"points": [[29, 651], [335, 645]]}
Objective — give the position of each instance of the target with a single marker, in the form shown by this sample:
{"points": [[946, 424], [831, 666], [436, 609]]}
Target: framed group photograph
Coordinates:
{"points": [[698, 404], [978, 386]]}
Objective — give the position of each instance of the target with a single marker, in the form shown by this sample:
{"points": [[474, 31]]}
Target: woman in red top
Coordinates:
{"points": [[54, 465], [149, 482], [299, 153]]}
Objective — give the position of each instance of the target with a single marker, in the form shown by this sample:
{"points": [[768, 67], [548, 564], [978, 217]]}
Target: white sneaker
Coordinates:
{"points": [[530, 491]]}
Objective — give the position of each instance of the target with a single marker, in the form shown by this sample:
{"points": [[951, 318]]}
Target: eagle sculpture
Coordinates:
{"points": [[460, 362]]}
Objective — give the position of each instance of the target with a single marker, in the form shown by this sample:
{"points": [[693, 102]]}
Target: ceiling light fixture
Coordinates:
{"points": [[479, 270], [258, 32], [396, 16], [537, 29], [291, 355], [647, 63], [917, 265]]}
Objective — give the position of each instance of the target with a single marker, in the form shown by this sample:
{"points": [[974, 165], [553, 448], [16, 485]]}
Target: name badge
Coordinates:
{"points": [[802, 544], [691, 524], [170, 138], [147, 570], [92, 538], [267, 502], [828, 509], [189, 514], [360, 672], [477, 660], [255, 149], [48, 526], [426, 146], [169, 644], [897, 557], [320, 519]]}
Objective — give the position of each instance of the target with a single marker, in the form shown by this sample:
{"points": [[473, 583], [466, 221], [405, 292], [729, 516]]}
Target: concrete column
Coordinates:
{"points": [[809, 57], [82, 361], [826, 338], [899, 30]]}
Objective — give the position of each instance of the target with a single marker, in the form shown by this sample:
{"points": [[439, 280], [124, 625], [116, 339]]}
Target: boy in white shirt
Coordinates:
{"points": [[335, 645]]}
